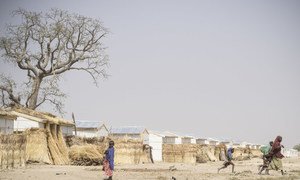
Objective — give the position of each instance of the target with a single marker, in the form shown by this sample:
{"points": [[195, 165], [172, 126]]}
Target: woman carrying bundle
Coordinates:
{"points": [[275, 153]]}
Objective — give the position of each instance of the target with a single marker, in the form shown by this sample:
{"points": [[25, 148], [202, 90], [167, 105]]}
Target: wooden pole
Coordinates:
{"points": [[73, 117]]}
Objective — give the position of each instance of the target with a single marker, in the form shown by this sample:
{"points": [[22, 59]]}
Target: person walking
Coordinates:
{"points": [[108, 163], [275, 153]]}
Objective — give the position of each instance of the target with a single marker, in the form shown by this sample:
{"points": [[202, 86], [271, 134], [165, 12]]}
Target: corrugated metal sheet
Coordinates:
{"points": [[156, 133], [213, 139], [88, 124], [128, 130], [169, 134]]}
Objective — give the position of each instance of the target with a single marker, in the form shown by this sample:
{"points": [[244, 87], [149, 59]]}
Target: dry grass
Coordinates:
{"points": [[43, 115], [190, 153], [62, 145], [12, 151], [54, 146], [127, 151], [86, 155], [46, 145], [196, 153], [36, 146]]}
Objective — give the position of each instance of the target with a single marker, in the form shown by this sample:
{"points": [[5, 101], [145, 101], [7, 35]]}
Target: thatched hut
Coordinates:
{"points": [[27, 118], [43, 137]]}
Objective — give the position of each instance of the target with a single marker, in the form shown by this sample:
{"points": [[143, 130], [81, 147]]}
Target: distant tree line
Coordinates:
{"points": [[297, 147]]}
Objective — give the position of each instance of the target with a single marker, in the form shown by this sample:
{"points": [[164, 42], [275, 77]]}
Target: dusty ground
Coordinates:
{"points": [[244, 170]]}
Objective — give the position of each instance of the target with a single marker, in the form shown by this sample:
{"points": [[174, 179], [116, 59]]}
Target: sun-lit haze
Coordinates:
{"points": [[223, 69]]}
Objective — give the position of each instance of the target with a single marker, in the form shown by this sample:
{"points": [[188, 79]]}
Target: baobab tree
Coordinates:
{"points": [[45, 46]]}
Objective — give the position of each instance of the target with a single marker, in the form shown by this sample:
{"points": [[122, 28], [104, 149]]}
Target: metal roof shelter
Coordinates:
{"points": [[128, 130], [91, 129], [169, 134], [88, 124]]}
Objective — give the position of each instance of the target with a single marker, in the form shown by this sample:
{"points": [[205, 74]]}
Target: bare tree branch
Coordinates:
{"points": [[7, 85], [46, 45]]}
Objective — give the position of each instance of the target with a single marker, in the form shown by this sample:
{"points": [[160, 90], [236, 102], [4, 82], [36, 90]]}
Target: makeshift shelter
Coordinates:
{"points": [[227, 143], [131, 132], [86, 155], [248, 145], [257, 146], [91, 129], [43, 136], [202, 141], [213, 142], [90, 151], [180, 153], [6, 122], [238, 144], [155, 140], [171, 138], [187, 139], [12, 151], [192, 153], [67, 130], [27, 118]]}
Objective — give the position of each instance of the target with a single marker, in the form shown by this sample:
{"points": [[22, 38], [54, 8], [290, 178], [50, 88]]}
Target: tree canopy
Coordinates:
{"points": [[297, 147], [45, 46]]}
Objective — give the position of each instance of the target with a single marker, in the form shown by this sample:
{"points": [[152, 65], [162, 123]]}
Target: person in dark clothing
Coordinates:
{"points": [[266, 157], [108, 163], [275, 154], [228, 162]]}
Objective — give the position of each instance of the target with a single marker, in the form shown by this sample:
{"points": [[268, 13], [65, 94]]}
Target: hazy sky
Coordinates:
{"points": [[224, 69]]}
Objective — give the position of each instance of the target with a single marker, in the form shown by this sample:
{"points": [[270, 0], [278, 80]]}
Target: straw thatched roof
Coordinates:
{"points": [[42, 117], [4, 113]]}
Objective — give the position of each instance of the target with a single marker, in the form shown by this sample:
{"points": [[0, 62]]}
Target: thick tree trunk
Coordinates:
{"points": [[32, 100]]}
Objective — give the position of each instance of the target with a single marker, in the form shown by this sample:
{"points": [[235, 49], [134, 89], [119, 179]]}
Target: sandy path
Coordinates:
{"points": [[244, 170]]}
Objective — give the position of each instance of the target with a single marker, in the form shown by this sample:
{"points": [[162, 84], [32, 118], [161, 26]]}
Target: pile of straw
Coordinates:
{"points": [[57, 147], [192, 153], [46, 145], [241, 154], [255, 153], [182, 153], [90, 151], [220, 152], [129, 151], [86, 155], [202, 156], [37, 146], [75, 140]]}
